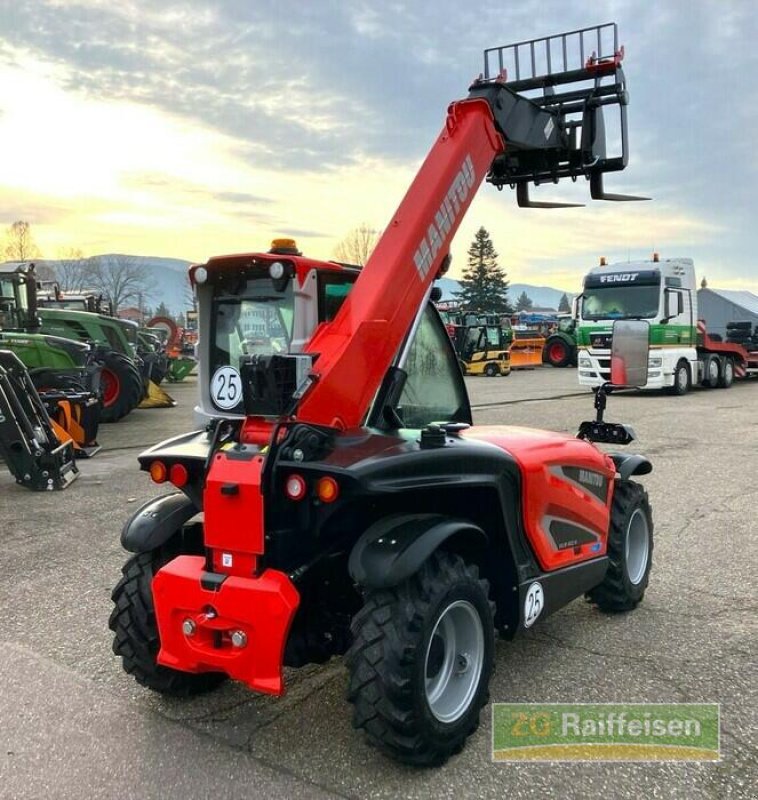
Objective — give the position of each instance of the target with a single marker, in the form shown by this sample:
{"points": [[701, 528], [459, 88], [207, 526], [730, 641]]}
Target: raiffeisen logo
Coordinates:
{"points": [[620, 277], [444, 219]]}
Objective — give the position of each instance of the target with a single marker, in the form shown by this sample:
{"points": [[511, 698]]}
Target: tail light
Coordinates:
{"points": [[178, 475], [327, 490], [158, 472], [295, 487]]}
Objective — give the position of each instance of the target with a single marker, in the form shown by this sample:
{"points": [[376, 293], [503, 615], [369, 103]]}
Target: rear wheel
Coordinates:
{"points": [[682, 379], [711, 372], [630, 550], [727, 374], [557, 352], [421, 661], [492, 370], [121, 386], [136, 632]]}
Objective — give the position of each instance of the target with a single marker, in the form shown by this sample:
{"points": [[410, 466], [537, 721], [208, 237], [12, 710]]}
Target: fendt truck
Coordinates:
{"points": [[349, 506], [664, 293]]}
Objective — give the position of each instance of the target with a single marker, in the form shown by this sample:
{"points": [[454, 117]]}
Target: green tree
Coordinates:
{"points": [[484, 288], [524, 302], [564, 305], [162, 311]]}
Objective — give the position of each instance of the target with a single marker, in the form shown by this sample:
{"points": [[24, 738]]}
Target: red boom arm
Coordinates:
{"points": [[357, 348]]}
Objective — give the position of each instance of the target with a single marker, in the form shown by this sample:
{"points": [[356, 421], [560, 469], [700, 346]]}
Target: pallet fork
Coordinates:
{"points": [[34, 453]]}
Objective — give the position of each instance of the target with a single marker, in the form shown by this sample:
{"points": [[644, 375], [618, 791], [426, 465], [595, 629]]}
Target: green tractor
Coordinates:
{"points": [[62, 347], [560, 346]]}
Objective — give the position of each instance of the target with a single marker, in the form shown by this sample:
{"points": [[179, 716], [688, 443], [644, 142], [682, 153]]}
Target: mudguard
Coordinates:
{"points": [[628, 464], [393, 548], [154, 523]]}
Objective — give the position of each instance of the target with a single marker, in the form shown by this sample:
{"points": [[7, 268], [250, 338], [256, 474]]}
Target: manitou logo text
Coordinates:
{"points": [[449, 211], [621, 277]]}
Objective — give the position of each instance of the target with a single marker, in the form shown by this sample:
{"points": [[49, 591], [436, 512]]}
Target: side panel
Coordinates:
{"points": [[566, 492]]}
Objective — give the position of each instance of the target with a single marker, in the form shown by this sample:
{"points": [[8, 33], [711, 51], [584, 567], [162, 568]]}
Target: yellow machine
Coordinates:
{"points": [[488, 362]]}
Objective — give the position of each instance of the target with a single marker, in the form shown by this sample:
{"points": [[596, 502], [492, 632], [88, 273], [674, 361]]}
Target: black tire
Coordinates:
{"points": [[122, 387], [711, 372], [682, 379], [558, 352], [396, 642], [136, 632], [630, 550], [739, 326], [492, 370], [726, 378]]}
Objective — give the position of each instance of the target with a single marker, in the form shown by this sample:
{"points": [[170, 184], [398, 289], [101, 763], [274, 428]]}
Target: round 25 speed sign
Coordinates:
{"points": [[226, 387]]}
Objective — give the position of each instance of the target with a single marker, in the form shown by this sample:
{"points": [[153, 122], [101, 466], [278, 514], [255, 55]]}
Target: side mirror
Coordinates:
{"points": [[629, 352]]}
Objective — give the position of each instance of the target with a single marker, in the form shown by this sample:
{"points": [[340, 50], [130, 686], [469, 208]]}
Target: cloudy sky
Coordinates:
{"points": [[195, 128]]}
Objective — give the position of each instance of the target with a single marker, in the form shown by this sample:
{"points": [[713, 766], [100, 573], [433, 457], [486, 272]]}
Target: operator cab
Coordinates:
{"points": [[261, 304], [18, 285]]}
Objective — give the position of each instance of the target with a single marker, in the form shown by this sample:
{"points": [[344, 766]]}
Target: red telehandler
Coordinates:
{"points": [[348, 503]]}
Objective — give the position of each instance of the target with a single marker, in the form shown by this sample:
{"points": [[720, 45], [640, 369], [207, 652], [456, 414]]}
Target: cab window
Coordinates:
{"points": [[434, 390]]}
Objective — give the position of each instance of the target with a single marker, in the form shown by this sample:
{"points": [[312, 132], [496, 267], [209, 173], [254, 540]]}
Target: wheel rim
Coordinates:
{"points": [[728, 371], [454, 661], [637, 546], [556, 352], [713, 370], [111, 386], [681, 379], [491, 370]]}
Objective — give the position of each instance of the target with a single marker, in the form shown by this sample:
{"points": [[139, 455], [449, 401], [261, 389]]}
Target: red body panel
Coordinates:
{"points": [[357, 347], [262, 608], [233, 506], [548, 495]]}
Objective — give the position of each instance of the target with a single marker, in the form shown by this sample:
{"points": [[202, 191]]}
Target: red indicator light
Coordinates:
{"points": [[294, 488], [179, 475], [327, 489], [158, 472]]}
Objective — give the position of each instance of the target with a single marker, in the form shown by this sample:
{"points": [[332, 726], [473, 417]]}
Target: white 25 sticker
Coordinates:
{"points": [[226, 387], [534, 602]]}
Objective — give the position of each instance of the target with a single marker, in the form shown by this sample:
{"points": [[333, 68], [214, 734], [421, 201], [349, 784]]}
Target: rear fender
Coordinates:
{"points": [[393, 548], [154, 523], [628, 464]]}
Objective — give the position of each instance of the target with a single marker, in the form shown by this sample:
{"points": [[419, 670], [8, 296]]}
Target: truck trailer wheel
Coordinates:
{"points": [[136, 632], [421, 661], [682, 379], [726, 379], [711, 372], [630, 550]]}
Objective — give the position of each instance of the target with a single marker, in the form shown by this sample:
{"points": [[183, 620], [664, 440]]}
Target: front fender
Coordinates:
{"points": [[628, 464], [393, 548], [154, 523]]}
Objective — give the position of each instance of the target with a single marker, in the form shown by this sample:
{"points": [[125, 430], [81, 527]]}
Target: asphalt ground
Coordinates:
{"points": [[75, 725]]}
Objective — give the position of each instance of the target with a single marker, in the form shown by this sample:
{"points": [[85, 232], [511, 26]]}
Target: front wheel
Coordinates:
{"points": [[136, 632], [421, 661], [630, 550], [682, 379], [492, 370]]}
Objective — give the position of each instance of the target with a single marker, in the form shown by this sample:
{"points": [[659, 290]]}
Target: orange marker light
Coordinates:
{"points": [[158, 472], [179, 475], [327, 490]]}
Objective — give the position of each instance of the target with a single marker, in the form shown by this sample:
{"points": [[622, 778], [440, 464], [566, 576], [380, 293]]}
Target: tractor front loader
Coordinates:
{"points": [[37, 451], [349, 505]]}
